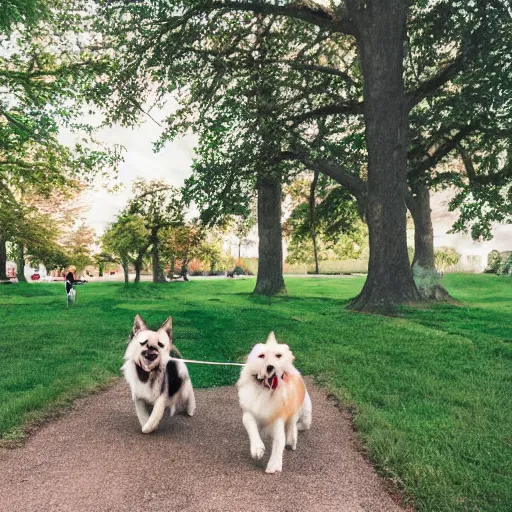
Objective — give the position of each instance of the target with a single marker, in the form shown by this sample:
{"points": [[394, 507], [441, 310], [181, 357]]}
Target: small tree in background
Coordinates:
{"points": [[324, 222], [493, 262], [79, 246], [102, 261], [241, 227], [179, 245], [160, 206], [210, 252], [446, 257], [127, 240]]}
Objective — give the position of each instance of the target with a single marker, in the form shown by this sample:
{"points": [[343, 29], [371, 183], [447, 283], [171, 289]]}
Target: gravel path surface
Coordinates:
{"points": [[96, 459]]}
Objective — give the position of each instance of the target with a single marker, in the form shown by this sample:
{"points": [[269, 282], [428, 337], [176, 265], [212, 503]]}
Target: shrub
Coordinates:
{"points": [[493, 262], [505, 267], [247, 266], [446, 257], [195, 268]]}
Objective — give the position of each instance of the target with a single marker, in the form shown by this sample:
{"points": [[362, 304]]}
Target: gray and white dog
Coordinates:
{"points": [[155, 379]]}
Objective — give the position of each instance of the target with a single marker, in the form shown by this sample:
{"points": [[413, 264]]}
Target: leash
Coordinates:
{"points": [[207, 362]]}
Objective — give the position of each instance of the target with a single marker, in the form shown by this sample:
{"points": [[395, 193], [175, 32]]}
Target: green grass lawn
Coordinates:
{"points": [[430, 389]]}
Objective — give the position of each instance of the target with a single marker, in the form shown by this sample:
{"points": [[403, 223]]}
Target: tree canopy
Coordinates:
{"points": [[47, 70], [271, 87]]}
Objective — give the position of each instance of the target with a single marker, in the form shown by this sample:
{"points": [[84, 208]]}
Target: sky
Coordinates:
{"points": [[172, 164]]}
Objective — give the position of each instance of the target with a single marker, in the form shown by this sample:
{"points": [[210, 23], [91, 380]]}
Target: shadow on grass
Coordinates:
{"points": [[472, 322]]}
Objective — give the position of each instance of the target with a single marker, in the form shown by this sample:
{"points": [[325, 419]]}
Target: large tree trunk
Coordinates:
{"points": [[3, 259], [184, 267], [172, 268], [419, 206], [20, 263], [270, 279], [423, 265], [158, 274], [312, 218], [138, 267], [381, 35], [124, 263]]}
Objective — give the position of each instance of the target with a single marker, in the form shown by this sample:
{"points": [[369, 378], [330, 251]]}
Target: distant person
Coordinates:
{"points": [[72, 281]]}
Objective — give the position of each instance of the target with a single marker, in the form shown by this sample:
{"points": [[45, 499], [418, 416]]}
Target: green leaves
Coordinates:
{"points": [[22, 12], [125, 238], [46, 74], [259, 83], [339, 232], [157, 203]]}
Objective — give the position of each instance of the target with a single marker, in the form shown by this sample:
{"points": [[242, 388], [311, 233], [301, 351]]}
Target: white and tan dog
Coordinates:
{"points": [[155, 379], [273, 398]]}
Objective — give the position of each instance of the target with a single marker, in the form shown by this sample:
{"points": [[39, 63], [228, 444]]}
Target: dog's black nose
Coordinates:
{"points": [[270, 368], [150, 355]]}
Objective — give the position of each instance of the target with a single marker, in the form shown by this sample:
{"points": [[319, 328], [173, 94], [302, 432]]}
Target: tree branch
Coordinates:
{"points": [[300, 66], [428, 86], [430, 161], [349, 108], [499, 178], [468, 50], [468, 163], [304, 10], [354, 184]]}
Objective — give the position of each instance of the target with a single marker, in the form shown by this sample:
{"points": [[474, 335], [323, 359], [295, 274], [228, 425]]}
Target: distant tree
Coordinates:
{"points": [[102, 260], [31, 231], [209, 251], [241, 227], [127, 240], [181, 244], [54, 257], [160, 206], [36, 236], [46, 73], [324, 222], [79, 244]]}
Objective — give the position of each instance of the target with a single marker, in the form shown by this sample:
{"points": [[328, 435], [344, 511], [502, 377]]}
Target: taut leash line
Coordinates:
{"points": [[207, 362]]}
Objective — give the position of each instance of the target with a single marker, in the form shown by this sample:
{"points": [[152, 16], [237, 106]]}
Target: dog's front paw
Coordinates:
{"points": [[148, 428], [258, 450], [274, 466]]}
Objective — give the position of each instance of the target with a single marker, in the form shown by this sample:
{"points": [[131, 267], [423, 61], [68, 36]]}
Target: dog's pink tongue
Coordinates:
{"points": [[272, 382]]}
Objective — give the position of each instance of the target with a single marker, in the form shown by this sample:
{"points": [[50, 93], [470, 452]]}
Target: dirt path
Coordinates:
{"points": [[95, 459]]}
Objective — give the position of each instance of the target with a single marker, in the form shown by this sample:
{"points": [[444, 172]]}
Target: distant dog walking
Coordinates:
{"points": [[71, 282]]}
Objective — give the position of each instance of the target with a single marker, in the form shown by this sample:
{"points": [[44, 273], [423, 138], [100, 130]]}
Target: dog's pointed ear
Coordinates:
{"points": [[271, 338], [138, 325], [167, 328]]}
